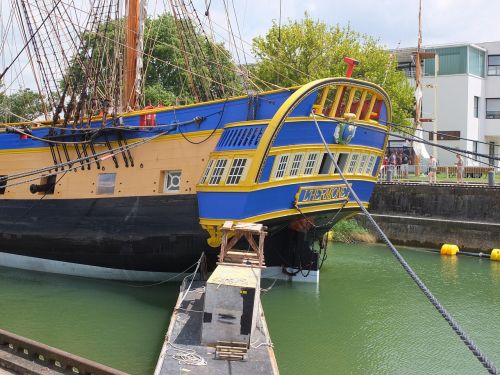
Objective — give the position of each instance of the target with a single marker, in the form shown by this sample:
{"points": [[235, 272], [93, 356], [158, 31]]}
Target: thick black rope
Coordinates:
{"points": [[445, 314]]}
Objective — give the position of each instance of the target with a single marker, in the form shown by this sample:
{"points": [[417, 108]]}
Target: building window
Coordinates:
{"points": [[474, 145], [207, 171], [220, 165], [296, 163], [3, 183], [476, 106], [172, 182], [280, 170], [311, 162], [352, 163], [493, 108], [106, 183], [494, 65], [236, 171]]}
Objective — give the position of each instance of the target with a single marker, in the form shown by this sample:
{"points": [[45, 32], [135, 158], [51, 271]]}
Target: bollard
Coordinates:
{"points": [[389, 175], [491, 178]]}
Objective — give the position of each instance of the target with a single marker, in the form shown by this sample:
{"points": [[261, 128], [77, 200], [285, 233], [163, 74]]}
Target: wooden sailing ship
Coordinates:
{"points": [[132, 193]]}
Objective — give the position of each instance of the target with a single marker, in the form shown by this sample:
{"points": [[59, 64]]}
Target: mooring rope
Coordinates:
{"points": [[487, 364]]}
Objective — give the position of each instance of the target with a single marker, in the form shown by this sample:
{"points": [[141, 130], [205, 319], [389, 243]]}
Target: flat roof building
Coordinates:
{"points": [[462, 100]]}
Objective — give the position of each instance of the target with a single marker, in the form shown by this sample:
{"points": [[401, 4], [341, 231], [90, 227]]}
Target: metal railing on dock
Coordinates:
{"points": [[32, 357]]}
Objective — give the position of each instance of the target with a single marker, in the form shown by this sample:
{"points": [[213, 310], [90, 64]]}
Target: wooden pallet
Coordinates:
{"points": [[231, 350]]}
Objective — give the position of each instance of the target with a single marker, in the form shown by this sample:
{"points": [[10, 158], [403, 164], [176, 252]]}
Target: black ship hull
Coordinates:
{"points": [[148, 235]]}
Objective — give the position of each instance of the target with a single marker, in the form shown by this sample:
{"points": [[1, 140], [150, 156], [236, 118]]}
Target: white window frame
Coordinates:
{"points": [[371, 163], [296, 164], [281, 166], [351, 167], [170, 176], [236, 172], [361, 163], [313, 168], [208, 169], [220, 165]]}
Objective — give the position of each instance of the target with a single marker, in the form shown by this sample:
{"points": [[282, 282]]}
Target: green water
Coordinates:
{"points": [[365, 317]]}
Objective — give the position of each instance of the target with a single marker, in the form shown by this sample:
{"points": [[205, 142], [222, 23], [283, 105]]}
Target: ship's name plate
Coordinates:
{"points": [[321, 194]]}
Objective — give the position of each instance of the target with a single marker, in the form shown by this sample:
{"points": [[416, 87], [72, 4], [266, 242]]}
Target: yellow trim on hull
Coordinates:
{"points": [[278, 183], [49, 123], [167, 137], [281, 116], [212, 226]]}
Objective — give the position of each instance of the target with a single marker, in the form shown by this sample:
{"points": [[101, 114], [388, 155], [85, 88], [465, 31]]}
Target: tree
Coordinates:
{"points": [[21, 106], [166, 54], [173, 65], [301, 51]]}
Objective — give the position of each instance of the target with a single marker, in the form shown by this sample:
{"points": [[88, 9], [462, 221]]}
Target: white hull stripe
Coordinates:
{"points": [[84, 270]]}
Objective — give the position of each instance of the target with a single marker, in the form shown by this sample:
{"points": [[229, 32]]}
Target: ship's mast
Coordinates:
{"points": [[134, 32], [418, 83], [418, 73]]}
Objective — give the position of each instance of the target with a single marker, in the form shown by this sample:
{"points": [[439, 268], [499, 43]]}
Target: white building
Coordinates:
{"points": [[463, 100]]}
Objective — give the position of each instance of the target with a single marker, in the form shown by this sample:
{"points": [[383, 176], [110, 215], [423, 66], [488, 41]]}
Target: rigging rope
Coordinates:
{"points": [[27, 42], [413, 137], [432, 299]]}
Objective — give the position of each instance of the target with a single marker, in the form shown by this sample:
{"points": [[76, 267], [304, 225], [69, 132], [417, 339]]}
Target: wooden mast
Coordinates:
{"points": [[129, 98]]}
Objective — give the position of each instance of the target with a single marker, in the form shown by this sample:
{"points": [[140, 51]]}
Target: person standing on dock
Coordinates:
{"points": [[432, 170], [460, 169], [392, 163]]}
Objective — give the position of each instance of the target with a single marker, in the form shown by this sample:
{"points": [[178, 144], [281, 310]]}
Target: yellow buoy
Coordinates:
{"points": [[449, 249], [495, 254]]}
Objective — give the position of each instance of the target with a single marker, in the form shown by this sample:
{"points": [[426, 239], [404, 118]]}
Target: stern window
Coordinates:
{"points": [[220, 165], [362, 164], [311, 162], [236, 171], [352, 163], [172, 181], [326, 164], [106, 183], [283, 161], [296, 164], [341, 162], [371, 163], [207, 171]]}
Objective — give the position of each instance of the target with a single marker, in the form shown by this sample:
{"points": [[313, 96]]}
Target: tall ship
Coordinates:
{"points": [[104, 188]]}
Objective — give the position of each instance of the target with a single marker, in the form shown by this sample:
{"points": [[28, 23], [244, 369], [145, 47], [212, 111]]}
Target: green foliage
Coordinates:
{"points": [[165, 64], [301, 51], [20, 106], [156, 94], [350, 230]]}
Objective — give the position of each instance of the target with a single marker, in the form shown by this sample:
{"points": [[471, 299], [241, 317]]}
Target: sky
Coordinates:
{"points": [[393, 22]]}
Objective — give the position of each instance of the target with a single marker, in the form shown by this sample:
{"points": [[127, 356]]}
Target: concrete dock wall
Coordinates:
{"points": [[430, 215]]}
